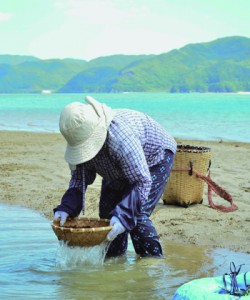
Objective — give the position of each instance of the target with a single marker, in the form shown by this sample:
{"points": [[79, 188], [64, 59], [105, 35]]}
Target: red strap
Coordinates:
{"points": [[212, 186], [219, 191]]}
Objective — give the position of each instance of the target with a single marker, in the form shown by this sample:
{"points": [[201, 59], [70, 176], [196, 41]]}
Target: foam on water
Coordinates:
{"points": [[75, 257]]}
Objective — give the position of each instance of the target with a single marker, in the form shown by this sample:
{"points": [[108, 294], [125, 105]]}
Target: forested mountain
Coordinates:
{"points": [[16, 59], [222, 65], [219, 66]]}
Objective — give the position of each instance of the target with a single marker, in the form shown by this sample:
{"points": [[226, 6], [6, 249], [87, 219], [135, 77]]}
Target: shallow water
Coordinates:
{"points": [[33, 265]]}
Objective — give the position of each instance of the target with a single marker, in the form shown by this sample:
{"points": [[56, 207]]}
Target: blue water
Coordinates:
{"points": [[191, 116], [33, 265]]}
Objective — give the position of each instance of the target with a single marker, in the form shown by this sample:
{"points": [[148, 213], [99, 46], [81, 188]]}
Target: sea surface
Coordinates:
{"points": [[211, 117]]}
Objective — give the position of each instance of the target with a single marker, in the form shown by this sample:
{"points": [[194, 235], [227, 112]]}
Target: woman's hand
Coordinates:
{"points": [[62, 216], [117, 229]]}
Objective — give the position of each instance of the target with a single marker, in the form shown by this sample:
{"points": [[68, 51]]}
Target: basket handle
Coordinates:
{"points": [[212, 186]]}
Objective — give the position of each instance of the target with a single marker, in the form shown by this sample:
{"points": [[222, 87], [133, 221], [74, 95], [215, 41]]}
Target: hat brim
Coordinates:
{"points": [[84, 152]]}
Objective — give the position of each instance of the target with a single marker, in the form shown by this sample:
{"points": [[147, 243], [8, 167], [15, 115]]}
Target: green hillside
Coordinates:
{"points": [[222, 65], [35, 76], [101, 73], [219, 66], [16, 59]]}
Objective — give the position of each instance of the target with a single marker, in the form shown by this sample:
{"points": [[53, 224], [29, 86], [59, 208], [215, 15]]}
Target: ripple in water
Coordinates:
{"points": [[34, 265]]}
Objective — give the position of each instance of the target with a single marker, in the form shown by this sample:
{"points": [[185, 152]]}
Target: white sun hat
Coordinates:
{"points": [[84, 127]]}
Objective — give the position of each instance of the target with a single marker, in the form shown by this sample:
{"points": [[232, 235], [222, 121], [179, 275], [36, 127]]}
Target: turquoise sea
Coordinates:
{"points": [[193, 116]]}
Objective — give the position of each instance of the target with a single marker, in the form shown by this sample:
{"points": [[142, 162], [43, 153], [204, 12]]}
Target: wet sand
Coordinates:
{"points": [[35, 175]]}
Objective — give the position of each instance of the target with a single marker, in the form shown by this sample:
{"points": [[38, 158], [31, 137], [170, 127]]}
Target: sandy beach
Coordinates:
{"points": [[35, 175]]}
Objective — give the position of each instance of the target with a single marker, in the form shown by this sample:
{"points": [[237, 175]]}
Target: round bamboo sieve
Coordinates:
{"points": [[82, 232]]}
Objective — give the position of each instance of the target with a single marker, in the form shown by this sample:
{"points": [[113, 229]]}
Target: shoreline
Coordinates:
{"points": [[35, 175], [181, 139]]}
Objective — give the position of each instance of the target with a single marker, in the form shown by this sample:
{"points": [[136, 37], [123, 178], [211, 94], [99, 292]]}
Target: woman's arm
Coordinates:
{"points": [[73, 199]]}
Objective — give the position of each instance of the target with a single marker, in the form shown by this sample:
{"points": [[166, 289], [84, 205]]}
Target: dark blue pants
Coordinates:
{"points": [[144, 236]]}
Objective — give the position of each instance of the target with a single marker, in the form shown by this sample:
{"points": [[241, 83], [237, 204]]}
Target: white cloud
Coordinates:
{"points": [[102, 12], [5, 16], [91, 28]]}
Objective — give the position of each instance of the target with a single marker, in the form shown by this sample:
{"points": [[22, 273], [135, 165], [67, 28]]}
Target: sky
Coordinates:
{"points": [[87, 29]]}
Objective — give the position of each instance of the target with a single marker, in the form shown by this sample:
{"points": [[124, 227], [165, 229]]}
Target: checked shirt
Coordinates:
{"points": [[134, 143]]}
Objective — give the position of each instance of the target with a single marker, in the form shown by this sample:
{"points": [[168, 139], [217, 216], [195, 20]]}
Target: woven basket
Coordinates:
{"points": [[82, 232], [184, 187]]}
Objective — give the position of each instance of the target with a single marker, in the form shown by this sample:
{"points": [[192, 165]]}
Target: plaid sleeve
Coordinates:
{"points": [[127, 150], [80, 179]]}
